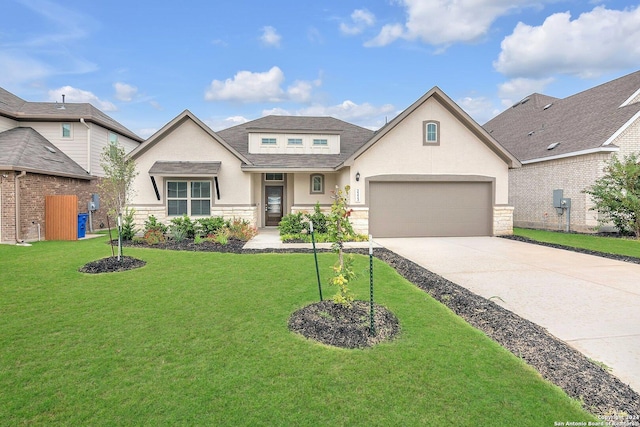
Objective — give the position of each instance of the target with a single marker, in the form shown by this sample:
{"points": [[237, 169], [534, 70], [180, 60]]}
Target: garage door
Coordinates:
{"points": [[426, 209]]}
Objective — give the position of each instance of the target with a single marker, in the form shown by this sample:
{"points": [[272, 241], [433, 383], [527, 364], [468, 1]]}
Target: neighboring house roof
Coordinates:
{"points": [[582, 123], [352, 137], [175, 123], [18, 109], [457, 112], [24, 149]]}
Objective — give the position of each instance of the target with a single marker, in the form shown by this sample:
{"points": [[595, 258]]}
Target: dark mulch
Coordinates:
{"points": [[233, 246], [112, 264], [601, 392], [335, 325]]}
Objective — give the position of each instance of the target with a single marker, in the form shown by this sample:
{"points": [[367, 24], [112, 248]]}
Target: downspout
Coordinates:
{"points": [[88, 144], [17, 204], [88, 166]]}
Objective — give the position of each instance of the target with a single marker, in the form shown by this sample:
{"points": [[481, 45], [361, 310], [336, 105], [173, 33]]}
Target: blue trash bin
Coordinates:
{"points": [[82, 224]]}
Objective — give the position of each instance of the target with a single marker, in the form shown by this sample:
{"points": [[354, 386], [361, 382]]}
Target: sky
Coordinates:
{"points": [[144, 62]]}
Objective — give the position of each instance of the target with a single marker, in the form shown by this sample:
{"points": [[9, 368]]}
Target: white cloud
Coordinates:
{"points": [[247, 86], [365, 114], [595, 42], [270, 37], [78, 95], [361, 19], [515, 89], [125, 92], [17, 68], [481, 109], [219, 124], [146, 132], [447, 21]]}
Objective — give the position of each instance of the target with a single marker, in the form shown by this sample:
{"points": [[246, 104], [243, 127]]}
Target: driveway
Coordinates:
{"points": [[591, 303]]}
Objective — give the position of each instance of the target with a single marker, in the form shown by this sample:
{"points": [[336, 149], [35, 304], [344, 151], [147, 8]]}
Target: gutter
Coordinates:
{"points": [[17, 204]]}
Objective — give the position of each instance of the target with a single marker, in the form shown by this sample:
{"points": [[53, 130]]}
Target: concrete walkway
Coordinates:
{"points": [[591, 303], [269, 238]]}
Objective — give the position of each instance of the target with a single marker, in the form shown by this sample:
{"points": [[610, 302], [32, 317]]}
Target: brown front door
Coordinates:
{"points": [[273, 204]]}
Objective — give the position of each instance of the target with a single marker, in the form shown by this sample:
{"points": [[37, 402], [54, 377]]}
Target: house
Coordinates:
{"points": [[49, 148], [564, 144], [431, 171]]}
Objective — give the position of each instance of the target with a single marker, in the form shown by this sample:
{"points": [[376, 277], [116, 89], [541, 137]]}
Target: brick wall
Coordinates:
{"points": [[33, 189]]}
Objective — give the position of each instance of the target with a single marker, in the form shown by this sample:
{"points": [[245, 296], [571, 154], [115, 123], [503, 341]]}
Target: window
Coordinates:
{"points": [[113, 144], [294, 141], [431, 132], [191, 198], [269, 141], [317, 184], [319, 142], [67, 130], [274, 177]]}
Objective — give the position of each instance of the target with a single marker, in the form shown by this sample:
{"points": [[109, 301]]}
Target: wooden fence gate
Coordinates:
{"points": [[61, 217]]}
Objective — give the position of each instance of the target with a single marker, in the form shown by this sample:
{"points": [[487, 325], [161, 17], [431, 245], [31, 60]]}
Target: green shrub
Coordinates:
{"points": [[184, 227], [318, 219], [128, 230], [210, 226], [292, 224], [152, 224]]}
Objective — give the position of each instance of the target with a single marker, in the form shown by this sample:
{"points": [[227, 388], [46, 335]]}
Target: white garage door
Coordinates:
{"points": [[430, 209]]}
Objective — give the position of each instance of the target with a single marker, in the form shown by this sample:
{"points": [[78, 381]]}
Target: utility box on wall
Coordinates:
{"points": [[94, 203]]}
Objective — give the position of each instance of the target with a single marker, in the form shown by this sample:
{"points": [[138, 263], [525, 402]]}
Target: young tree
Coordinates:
{"points": [[617, 194], [339, 229], [116, 185]]}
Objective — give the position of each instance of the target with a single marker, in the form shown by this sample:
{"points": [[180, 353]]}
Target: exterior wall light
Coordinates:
{"points": [[357, 176]]}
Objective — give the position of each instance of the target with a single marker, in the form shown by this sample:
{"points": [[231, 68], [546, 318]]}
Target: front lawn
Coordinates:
{"points": [[201, 339], [612, 245]]}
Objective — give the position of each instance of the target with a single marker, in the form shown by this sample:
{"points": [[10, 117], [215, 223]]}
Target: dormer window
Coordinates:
{"points": [[269, 141], [320, 142], [431, 132], [294, 141]]}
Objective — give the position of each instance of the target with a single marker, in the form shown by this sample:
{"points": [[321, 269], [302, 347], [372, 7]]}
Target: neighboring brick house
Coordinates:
{"points": [[50, 148], [564, 144], [431, 171]]}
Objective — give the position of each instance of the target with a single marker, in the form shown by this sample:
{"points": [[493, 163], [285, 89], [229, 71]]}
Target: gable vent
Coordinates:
{"points": [[553, 145], [546, 107]]}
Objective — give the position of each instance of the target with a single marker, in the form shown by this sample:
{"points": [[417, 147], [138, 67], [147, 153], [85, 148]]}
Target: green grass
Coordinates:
{"points": [[619, 246], [202, 339]]}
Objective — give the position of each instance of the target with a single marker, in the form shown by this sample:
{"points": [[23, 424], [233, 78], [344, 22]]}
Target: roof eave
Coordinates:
{"points": [[605, 149]]}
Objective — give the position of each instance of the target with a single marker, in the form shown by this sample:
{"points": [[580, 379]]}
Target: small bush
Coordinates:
{"points": [[154, 237], [318, 219], [152, 224], [184, 227], [241, 229], [292, 224], [128, 230], [210, 226]]}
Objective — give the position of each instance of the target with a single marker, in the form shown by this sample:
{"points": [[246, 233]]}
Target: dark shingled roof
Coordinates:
{"points": [[584, 121], [24, 149], [352, 137], [160, 168], [19, 109]]}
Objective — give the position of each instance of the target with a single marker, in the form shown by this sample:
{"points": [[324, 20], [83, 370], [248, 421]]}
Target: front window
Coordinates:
{"points": [[317, 184], [192, 198], [294, 141], [320, 142], [67, 130], [269, 141]]}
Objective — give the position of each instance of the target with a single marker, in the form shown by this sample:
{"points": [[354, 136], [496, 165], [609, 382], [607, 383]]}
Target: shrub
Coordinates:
{"points": [[210, 226], [292, 224], [183, 227], [318, 219], [152, 224], [154, 237], [128, 230], [241, 229]]}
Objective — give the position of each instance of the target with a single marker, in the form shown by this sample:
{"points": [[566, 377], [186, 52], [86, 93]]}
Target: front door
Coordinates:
{"points": [[273, 204]]}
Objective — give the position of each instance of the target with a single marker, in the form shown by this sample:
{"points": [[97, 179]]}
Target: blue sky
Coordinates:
{"points": [[144, 62]]}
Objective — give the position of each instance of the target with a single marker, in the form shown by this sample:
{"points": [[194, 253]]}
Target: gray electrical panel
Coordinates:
{"points": [[94, 204], [562, 205]]}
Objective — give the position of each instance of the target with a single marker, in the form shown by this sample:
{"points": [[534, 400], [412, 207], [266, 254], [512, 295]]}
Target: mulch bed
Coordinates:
{"points": [[336, 325], [112, 265], [601, 392]]}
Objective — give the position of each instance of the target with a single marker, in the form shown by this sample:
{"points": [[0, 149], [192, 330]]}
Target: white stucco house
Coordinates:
{"points": [[564, 144], [431, 171]]}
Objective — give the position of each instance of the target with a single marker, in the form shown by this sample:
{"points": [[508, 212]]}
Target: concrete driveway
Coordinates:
{"points": [[591, 303]]}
